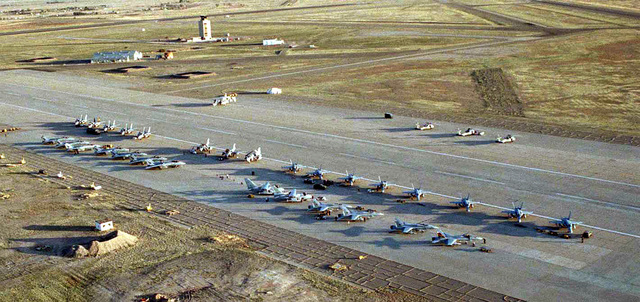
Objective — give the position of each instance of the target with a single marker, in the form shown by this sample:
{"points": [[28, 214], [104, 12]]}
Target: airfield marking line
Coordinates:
{"points": [[472, 46], [342, 174], [346, 138], [470, 177], [370, 158], [599, 202], [287, 144]]}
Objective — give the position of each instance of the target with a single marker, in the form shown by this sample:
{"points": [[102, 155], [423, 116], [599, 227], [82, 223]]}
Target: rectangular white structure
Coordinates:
{"points": [[270, 42], [116, 56], [104, 225]]}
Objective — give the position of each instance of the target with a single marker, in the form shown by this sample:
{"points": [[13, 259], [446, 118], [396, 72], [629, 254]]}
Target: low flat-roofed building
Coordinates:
{"points": [[116, 56]]}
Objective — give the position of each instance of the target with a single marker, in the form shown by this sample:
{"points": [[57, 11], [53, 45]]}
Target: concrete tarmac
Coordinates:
{"points": [[597, 182]]}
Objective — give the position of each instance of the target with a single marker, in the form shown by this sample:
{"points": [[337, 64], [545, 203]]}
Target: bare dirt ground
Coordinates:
{"points": [[42, 217]]}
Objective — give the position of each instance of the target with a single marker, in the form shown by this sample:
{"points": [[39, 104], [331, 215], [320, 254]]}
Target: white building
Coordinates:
{"points": [[116, 56], [104, 225], [269, 42], [274, 91], [205, 28]]}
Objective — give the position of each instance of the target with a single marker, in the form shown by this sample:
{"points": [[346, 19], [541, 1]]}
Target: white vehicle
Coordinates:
{"points": [[83, 148], [469, 132], [254, 155], [292, 196], [143, 134], [425, 126], [274, 90], [127, 130], [225, 99], [166, 165], [229, 153], [56, 140], [506, 139], [201, 149], [81, 121]]}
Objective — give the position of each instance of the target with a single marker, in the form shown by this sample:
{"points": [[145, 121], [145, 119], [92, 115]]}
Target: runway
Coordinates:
{"points": [[597, 182]]}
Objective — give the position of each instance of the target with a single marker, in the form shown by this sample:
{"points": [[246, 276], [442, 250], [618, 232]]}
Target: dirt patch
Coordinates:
{"points": [[497, 91], [127, 69]]}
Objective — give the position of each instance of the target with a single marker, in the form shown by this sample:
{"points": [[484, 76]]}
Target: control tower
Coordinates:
{"points": [[204, 25]]}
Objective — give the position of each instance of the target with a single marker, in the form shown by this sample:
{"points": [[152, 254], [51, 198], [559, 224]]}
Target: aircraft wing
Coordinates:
{"points": [[574, 222], [355, 216], [511, 212], [527, 212], [450, 241], [407, 230]]}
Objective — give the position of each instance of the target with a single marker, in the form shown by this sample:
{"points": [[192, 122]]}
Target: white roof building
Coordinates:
{"points": [[116, 56], [269, 42], [104, 225]]}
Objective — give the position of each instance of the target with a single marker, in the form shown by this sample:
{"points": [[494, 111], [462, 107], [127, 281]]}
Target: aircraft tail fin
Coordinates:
{"points": [[250, 184]]}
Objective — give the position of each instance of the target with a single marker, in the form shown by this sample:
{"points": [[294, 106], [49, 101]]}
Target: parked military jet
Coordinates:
{"points": [[451, 240], [201, 149], [81, 121], [143, 134], [61, 143], [254, 155], [409, 228], [97, 123], [517, 212], [350, 179], [56, 140], [293, 167], [165, 165], [425, 126], [356, 215], [224, 100], [322, 208], [146, 160], [82, 148], [72, 145], [229, 153], [105, 149], [127, 130], [506, 139], [319, 173], [266, 189], [381, 186], [110, 127], [566, 222], [415, 193], [125, 154], [469, 132], [465, 202], [292, 196]]}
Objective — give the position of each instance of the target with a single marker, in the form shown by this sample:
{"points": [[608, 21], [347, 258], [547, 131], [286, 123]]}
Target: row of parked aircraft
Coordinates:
{"points": [[469, 132]]}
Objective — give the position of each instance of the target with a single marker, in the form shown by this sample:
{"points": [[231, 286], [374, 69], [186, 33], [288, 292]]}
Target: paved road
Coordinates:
{"points": [[597, 181]]}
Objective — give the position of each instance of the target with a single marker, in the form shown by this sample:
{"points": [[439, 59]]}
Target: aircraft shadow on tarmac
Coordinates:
{"points": [[356, 231], [476, 143], [393, 243], [439, 135], [403, 129], [187, 105]]}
